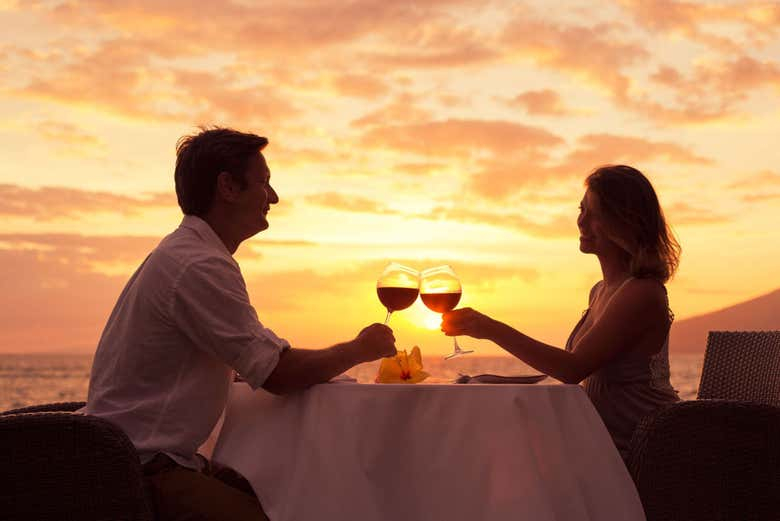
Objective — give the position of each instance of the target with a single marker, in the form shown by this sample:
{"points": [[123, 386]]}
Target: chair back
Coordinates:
{"points": [[708, 460], [62, 465], [742, 365]]}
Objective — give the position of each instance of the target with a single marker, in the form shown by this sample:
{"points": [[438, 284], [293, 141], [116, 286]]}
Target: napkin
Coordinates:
{"points": [[402, 368]]}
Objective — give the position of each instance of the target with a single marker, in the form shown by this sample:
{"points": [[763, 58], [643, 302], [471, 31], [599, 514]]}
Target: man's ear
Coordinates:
{"points": [[227, 188]]}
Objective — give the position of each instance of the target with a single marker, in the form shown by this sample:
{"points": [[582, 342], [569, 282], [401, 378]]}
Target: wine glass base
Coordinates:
{"points": [[458, 353]]}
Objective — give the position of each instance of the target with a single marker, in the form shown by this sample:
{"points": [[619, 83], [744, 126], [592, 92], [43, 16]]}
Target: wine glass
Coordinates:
{"points": [[397, 287], [440, 291]]}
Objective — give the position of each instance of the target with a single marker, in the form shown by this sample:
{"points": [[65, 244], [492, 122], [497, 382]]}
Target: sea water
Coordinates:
{"points": [[28, 379]]}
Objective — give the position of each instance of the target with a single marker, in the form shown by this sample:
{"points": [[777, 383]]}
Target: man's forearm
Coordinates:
{"points": [[301, 368]]}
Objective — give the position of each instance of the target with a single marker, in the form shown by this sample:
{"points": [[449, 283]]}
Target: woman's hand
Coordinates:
{"points": [[467, 321]]}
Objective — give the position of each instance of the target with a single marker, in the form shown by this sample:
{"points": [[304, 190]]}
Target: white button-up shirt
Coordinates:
{"points": [[164, 363]]}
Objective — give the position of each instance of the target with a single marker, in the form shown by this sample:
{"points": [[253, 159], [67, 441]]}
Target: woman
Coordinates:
{"points": [[620, 345]]}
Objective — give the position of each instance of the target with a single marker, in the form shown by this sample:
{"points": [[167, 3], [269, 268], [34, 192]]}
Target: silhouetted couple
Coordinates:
{"points": [[184, 323]]}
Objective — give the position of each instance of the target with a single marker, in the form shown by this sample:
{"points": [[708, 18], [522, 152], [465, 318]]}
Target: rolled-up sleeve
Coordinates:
{"points": [[210, 305]]}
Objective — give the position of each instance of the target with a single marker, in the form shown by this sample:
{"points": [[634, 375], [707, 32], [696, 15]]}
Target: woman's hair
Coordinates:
{"points": [[201, 157], [634, 220]]}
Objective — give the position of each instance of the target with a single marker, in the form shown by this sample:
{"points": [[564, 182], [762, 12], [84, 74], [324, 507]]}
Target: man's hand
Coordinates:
{"points": [[373, 342]]}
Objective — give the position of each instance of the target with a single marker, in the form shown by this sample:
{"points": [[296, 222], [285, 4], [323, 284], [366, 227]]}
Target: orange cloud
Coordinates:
{"points": [[599, 55], [359, 86], [597, 149], [349, 203], [68, 134], [51, 202], [138, 87], [682, 213], [461, 138], [419, 169], [758, 198], [760, 19], [558, 227], [500, 176], [299, 29], [763, 179], [711, 92], [760, 187], [402, 110], [545, 102], [596, 53]]}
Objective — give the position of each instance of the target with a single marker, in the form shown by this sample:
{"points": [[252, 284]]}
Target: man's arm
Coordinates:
{"points": [[301, 368]]}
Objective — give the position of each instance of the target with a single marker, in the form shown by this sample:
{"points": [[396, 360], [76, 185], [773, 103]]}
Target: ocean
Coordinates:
{"points": [[28, 379]]}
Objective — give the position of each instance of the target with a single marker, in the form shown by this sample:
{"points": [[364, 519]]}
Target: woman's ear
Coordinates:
{"points": [[227, 188]]}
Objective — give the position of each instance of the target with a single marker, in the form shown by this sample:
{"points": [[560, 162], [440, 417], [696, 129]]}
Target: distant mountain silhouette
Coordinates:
{"points": [[760, 313]]}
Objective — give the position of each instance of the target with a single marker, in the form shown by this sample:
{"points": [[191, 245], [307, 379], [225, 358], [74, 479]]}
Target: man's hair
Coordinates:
{"points": [[635, 220], [201, 157]]}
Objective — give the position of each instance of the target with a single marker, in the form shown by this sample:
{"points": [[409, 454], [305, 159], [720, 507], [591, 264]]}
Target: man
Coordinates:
{"points": [[183, 323]]}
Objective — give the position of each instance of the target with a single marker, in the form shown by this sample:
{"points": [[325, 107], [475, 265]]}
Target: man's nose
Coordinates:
{"points": [[273, 197]]}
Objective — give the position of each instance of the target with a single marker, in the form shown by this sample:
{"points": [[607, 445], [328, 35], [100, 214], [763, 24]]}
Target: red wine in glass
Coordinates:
{"points": [[397, 287], [440, 291], [441, 302]]}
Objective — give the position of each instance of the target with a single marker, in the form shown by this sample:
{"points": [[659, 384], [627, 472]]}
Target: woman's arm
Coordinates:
{"points": [[638, 307]]}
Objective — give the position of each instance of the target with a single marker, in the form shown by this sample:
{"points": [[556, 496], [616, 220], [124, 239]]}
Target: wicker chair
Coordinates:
{"points": [[65, 466], [708, 460], [742, 365]]}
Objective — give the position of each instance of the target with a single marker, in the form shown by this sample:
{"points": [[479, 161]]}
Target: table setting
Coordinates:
{"points": [[414, 447]]}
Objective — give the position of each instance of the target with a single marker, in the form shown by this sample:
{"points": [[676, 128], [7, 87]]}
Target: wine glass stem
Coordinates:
{"points": [[387, 318], [455, 344]]}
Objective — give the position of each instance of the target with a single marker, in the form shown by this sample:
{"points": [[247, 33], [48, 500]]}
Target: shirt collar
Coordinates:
{"points": [[204, 230]]}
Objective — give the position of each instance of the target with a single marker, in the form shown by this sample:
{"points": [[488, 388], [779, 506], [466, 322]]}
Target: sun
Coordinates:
{"points": [[432, 320]]}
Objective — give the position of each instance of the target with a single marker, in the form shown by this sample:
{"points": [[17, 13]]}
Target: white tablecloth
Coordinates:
{"points": [[345, 452]]}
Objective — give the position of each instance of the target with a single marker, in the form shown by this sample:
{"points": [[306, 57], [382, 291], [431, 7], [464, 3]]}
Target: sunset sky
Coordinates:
{"points": [[426, 133]]}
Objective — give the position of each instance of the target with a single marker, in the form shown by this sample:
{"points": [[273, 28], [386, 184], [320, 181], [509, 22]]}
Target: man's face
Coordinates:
{"points": [[255, 201]]}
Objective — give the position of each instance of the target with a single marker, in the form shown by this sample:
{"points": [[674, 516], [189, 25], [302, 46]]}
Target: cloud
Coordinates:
{"points": [[349, 203], [760, 187], [558, 227], [502, 176], [682, 213], [139, 87], [54, 305], [603, 57], [711, 91], [761, 197], [402, 110], [598, 149], [760, 20], [419, 168], [52, 202], [763, 179], [71, 140], [359, 86], [545, 102], [297, 29], [596, 53], [68, 134], [460, 138]]}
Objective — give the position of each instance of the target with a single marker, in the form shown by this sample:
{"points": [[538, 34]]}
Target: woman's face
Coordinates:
{"points": [[592, 226]]}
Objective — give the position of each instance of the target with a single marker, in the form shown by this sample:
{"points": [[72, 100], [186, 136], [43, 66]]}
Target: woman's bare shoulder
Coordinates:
{"points": [[594, 291], [647, 294]]}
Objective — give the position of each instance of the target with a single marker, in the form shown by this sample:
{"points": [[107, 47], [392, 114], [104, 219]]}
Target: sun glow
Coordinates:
{"points": [[432, 320]]}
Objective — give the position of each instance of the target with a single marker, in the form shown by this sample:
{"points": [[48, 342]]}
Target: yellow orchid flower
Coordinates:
{"points": [[402, 368]]}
